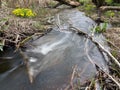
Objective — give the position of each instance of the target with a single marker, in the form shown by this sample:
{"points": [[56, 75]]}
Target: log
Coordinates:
{"points": [[72, 3], [105, 8]]}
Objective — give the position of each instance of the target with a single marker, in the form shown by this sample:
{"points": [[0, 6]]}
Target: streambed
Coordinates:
{"points": [[53, 57]]}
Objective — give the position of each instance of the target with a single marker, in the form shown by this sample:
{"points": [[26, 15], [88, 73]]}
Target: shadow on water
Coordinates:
{"points": [[51, 58], [9, 59]]}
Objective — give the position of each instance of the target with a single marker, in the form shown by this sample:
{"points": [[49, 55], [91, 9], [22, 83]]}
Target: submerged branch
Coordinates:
{"points": [[25, 58]]}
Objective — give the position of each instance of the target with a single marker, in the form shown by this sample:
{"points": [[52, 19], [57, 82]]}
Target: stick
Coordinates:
{"points": [[105, 8], [72, 77], [101, 47], [97, 44]]}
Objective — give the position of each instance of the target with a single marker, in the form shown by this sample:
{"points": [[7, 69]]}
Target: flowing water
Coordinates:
{"points": [[52, 58]]}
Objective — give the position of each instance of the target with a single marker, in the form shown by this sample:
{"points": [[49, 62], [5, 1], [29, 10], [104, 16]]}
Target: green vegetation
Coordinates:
{"points": [[100, 28], [110, 14], [89, 7], [114, 53], [113, 2], [109, 1]]}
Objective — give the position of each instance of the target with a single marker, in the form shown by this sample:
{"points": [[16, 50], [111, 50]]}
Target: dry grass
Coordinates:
{"points": [[11, 26], [26, 3], [113, 36]]}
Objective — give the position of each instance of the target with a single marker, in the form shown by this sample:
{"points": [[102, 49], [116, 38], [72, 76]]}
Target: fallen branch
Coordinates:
{"points": [[17, 38], [105, 8], [97, 44], [104, 50], [25, 62], [72, 77], [71, 80]]}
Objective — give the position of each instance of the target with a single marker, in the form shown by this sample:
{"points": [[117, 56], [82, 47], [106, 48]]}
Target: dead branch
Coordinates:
{"points": [[105, 8], [97, 44], [72, 77], [17, 38], [103, 49]]}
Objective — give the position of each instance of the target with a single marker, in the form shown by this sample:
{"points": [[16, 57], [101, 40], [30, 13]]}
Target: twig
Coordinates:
{"points": [[101, 47], [17, 38], [86, 50], [97, 44], [111, 43], [112, 79], [7, 40], [87, 88], [28, 38], [71, 80], [72, 77]]}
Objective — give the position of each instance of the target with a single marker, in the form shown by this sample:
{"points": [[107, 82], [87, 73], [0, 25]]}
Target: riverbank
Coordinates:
{"points": [[14, 30]]}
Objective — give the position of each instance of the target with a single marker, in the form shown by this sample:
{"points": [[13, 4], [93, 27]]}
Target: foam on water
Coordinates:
{"points": [[47, 47], [32, 59]]}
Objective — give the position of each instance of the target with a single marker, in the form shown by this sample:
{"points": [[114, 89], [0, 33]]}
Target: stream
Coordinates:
{"points": [[52, 58]]}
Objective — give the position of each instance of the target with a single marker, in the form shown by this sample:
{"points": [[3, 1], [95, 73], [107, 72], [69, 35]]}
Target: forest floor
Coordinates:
{"points": [[16, 30]]}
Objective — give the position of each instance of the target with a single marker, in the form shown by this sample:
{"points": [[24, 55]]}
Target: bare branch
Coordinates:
{"points": [[97, 44], [105, 8], [104, 50]]}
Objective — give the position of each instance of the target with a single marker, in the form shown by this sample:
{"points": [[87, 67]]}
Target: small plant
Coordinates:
{"points": [[89, 7], [114, 53], [101, 28], [110, 14], [23, 12]]}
